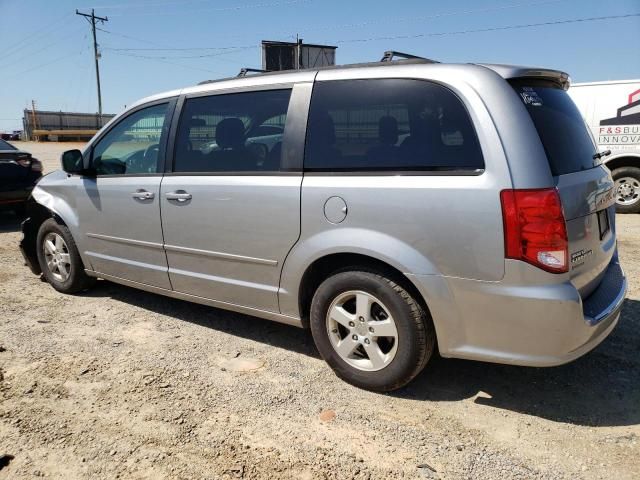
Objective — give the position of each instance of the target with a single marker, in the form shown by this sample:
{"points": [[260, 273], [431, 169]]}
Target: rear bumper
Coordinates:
{"points": [[523, 322]]}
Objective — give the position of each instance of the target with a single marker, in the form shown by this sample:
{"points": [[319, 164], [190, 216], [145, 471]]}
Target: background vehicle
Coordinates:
{"points": [[487, 228], [612, 111], [261, 140], [15, 135], [19, 172]]}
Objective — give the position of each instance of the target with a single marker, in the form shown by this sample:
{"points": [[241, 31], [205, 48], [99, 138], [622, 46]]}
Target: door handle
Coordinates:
{"points": [[179, 195], [143, 195]]}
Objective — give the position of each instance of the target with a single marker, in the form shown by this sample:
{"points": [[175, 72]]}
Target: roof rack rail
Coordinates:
{"points": [[390, 54], [243, 71]]}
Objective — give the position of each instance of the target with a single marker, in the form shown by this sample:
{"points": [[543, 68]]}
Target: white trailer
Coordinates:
{"points": [[612, 111]]}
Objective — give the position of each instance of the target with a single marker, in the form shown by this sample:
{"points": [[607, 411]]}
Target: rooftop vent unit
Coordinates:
{"points": [[277, 56]]}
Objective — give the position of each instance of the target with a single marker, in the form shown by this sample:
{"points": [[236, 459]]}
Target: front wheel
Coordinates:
{"points": [[627, 189], [59, 259], [370, 330]]}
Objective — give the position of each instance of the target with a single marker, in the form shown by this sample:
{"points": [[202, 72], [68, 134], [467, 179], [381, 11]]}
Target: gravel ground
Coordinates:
{"points": [[119, 383]]}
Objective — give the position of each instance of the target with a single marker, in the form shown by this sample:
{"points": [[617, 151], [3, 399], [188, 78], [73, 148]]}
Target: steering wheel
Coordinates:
{"points": [[149, 160], [151, 153]]}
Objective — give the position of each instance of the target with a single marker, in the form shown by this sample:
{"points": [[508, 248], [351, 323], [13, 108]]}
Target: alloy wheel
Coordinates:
{"points": [[56, 254], [362, 330]]}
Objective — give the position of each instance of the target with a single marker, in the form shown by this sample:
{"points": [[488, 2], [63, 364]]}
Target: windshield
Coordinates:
{"points": [[562, 130], [6, 146]]}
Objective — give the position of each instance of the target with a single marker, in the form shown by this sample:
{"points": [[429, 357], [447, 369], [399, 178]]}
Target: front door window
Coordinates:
{"points": [[133, 145]]}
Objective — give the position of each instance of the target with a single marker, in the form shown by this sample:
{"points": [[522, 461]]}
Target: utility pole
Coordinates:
{"points": [[92, 19], [34, 122]]}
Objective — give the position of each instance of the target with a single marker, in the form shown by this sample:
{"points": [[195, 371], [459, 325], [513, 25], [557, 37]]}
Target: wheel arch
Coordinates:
{"points": [[37, 214], [325, 266], [623, 160]]}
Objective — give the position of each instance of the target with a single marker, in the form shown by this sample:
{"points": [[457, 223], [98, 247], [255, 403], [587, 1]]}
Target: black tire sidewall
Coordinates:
{"points": [[409, 358], [627, 172], [75, 282]]}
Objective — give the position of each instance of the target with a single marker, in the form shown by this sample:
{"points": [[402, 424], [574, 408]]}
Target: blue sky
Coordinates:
{"points": [[46, 52]]}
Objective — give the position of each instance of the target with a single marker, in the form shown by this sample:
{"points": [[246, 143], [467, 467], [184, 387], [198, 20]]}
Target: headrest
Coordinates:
{"points": [[230, 133], [323, 129], [197, 122], [388, 130]]}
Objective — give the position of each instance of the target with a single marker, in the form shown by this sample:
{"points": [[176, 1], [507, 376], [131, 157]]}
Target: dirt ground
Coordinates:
{"points": [[119, 383]]}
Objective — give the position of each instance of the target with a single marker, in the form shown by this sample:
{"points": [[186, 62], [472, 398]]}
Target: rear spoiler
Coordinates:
{"points": [[511, 72]]}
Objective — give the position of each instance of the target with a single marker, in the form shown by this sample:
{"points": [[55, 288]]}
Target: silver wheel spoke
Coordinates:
{"points": [[51, 265], [346, 346], [341, 316], [64, 257], [376, 356], [50, 247], [385, 328], [59, 243], [62, 268], [363, 305]]}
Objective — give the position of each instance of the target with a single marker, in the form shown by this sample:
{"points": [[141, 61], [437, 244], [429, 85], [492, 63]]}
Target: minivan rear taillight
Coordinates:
{"points": [[534, 228]]}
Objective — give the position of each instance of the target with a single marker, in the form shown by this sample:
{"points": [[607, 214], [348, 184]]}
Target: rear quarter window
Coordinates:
{"points": [[562, 130], [389, 125]]}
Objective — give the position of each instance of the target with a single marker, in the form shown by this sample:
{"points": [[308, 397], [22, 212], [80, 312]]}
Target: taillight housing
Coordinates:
{"points": [[36, 165], [24, 161], [535, 230]]}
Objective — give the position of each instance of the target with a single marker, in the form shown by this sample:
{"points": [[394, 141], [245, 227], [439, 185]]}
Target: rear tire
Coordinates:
{"points": [[627, 189], [59, 259], [370, 330]]}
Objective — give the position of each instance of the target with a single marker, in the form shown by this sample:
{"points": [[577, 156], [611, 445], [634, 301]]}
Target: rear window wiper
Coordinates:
{"points": [[599, 155]]}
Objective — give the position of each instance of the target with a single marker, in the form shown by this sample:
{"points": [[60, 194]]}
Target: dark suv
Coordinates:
{"points": [[19, 172]]}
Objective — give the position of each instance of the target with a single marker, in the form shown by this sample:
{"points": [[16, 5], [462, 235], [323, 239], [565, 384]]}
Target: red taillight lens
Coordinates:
{"points": [[534, 228]]}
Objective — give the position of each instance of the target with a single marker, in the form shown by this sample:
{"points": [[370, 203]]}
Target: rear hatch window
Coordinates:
{"points": [[6, 146], [562, 130]]}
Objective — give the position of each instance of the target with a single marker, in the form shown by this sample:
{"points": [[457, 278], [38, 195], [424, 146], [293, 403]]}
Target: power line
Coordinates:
{"points": [[128, 37], [226, 51], [221, 50], [352, 25], [387, 20], [64, 57], [46, 47], [170, 63], [392, 37], [490, 29], [145, 5], [215, 9], [178, 49], [35, 37]]}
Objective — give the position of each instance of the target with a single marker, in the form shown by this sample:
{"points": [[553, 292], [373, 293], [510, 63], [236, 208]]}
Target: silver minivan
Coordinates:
{"points": [[393, 208]]}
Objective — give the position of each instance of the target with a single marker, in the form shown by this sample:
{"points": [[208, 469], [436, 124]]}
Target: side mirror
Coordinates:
{"points": [[260, 150], [73, 162]]}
